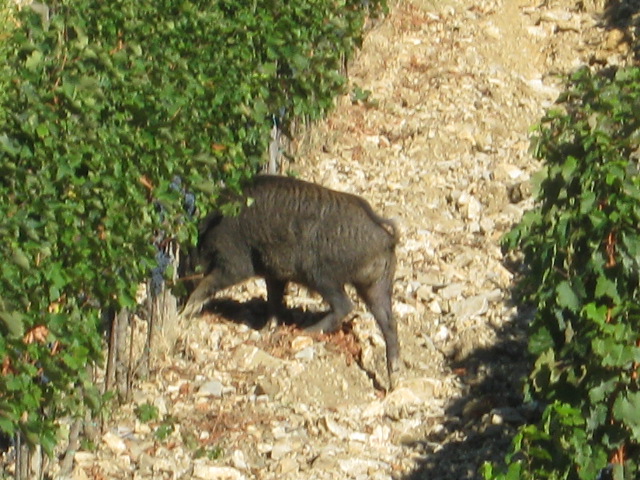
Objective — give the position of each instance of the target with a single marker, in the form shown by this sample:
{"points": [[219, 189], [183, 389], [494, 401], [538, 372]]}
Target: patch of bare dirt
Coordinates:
{"points": [[441, 144]]}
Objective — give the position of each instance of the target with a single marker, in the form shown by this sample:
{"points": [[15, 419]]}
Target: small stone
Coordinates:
{"points": [[305, 354], [250, 358], [165, 464], [505, 172], [78, 473], [238, 460], [326, 461], [280, 431], [470, 307], [506, 415], [138, 448], [423, 387], [358, 437], [614, 38], [424, 292], [264, 447], [492, 31], [287, 465], [431, 278], [556, 15], [114, 442], [84, 458], [519, 192], [301, 342], [360, 466], [145, 463], [212, 388], [476, 407], [380, 435], [473, 209], [161, 404], [487, 225], [280, 449], [452, 290], [212, 472], [403, 309], [434, 306], [442, 334], [494, 295], [537, 85], [401, 403], [266, 386], [141, 428], [335, 428], [537, 31]]}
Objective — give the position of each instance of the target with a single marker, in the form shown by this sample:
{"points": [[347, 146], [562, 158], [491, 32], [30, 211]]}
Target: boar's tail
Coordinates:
{"points": [[389, 224]]}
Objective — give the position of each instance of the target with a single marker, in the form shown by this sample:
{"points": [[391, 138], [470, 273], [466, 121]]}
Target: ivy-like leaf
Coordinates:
{"points": [[614, 354], [596, 313], [14, 323], [34, 60], [20, 259], [566, 297], [626, 411], [606, 288]]}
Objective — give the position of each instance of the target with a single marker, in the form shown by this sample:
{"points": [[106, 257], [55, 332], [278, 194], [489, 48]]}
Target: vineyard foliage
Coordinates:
{"points": [[110, 112], [581, 245]]}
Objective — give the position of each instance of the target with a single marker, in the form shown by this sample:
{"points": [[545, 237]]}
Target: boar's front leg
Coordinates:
{"points": [[215, 280], [205, 290], [339, 304]]}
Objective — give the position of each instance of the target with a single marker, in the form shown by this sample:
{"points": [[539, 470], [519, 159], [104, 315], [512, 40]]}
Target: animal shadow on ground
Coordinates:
{"points": [[480, 425], [253, 313]]}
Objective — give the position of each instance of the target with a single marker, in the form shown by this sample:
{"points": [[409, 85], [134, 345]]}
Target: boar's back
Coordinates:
{"points": [[304, 232], [295, 230], [303, 207]]}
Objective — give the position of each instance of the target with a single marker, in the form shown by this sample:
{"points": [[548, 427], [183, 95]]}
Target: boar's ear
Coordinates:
{"points": [[209, 222]]}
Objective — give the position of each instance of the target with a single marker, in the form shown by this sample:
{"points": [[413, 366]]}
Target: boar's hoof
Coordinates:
{"points": [[394, 380], [328, 324]]}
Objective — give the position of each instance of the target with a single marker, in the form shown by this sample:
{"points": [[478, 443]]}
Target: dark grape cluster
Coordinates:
{"points": [[190, 204], [189, 199], [163, 256], [606, 473], [163, 260]]}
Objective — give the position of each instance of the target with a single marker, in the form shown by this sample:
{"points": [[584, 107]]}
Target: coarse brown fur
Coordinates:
{"points": [[291, 230]]}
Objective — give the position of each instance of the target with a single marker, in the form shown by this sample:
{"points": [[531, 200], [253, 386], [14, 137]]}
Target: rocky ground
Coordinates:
{"points": [[442, 143]]}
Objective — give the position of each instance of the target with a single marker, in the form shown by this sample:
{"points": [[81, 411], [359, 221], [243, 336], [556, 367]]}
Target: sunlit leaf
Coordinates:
{"points": [[567, 297]]}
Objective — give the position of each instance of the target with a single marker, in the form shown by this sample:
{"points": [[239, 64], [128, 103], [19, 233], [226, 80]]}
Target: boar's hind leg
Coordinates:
{"points": [[339, 304], [378, 298], [275, 295]]}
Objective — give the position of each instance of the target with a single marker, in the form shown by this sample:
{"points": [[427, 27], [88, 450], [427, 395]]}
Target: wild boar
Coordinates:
{"points": [[289, 230]]}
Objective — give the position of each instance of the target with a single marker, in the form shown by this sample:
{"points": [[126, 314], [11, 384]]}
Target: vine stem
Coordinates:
{"points": [[634, 373], [611, 249], [619, 455]]}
